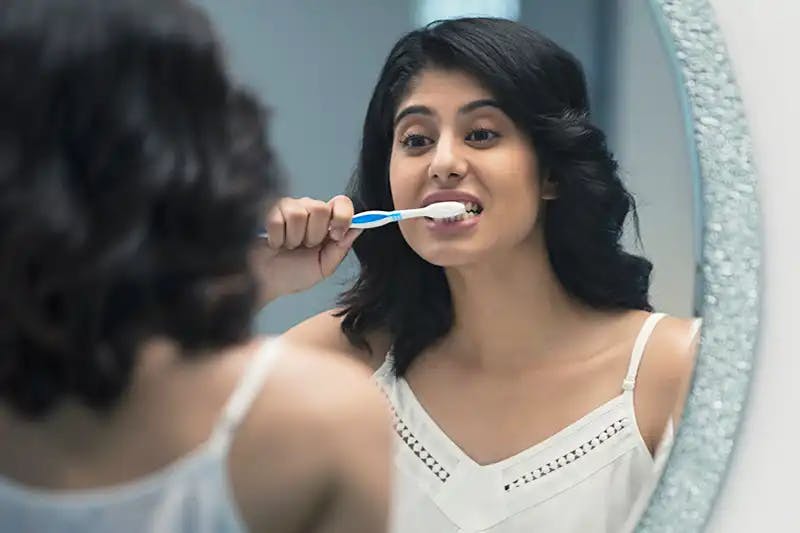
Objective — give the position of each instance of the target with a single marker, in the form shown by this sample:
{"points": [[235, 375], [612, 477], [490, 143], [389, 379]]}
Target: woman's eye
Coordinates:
{"points": [[482, 136], [414, 140]]}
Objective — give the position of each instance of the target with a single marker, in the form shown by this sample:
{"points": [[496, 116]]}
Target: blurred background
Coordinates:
{"points": [[315, 64]]}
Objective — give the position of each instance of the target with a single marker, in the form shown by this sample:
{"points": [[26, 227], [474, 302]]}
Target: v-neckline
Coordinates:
{"points": [[457, 451], [625, 396]]}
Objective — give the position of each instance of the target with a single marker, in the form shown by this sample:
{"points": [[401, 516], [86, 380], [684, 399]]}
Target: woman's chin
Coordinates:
{"points": [[453, 256]]}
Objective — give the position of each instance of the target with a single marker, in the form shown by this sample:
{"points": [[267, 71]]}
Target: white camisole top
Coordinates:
{"points": [[586, 478]]}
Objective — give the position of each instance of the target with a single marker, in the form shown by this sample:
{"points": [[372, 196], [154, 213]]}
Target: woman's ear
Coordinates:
{"points": [[549, 187]]}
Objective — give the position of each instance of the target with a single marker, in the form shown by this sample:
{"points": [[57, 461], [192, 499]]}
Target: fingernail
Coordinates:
{"points": [[337, 234]]}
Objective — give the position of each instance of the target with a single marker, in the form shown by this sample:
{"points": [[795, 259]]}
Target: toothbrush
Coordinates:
{"points": [[374, 219]]}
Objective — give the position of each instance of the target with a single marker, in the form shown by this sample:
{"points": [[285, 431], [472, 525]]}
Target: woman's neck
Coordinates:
{"points": [[512, 311]]}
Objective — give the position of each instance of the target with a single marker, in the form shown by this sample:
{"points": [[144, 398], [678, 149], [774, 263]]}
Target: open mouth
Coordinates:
{"points": [[473, 210]]}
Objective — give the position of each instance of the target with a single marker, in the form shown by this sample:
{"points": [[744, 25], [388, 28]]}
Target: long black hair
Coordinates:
{"points": [[542, 88], [133, 175]]}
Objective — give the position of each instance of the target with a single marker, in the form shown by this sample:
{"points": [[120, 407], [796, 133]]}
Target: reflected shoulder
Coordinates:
{"points": [[324, 332], [671, 349], [665, 376]]}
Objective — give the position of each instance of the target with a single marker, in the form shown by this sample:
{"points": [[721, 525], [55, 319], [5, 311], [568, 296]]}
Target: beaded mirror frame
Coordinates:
{"points": [[729, 267]]}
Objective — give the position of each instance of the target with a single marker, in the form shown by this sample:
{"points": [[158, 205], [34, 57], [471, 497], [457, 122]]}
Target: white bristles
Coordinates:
{"points": [[444, 210]]}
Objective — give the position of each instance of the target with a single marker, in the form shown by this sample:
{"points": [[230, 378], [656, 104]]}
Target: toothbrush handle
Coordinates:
{"points": [[374, 219], [405, 214]]}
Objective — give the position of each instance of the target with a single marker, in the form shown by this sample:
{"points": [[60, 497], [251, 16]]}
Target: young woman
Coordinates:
{"points": [[132, 396], [530, 380]]}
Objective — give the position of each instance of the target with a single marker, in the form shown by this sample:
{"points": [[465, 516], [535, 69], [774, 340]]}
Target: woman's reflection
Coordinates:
{"points": [[531, 380]]}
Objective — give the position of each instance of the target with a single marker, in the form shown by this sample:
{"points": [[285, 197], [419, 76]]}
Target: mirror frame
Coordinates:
{"points": [[730, 267]]}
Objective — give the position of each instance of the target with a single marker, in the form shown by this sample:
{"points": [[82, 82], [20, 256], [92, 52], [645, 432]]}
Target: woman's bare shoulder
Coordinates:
{"points": [[324, 332], [316, 410], [670, 352], [665, 374]]}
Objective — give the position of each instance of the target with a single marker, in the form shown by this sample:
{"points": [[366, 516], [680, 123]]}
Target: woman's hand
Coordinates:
{"points": [[307, 240]]}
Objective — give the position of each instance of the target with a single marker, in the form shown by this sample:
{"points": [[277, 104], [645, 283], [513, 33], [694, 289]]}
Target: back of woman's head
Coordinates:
{"points": [[542, 88], [132, 178]]}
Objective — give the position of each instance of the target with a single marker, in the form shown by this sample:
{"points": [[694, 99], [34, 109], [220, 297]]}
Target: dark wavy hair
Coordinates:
{"points": [[133, 175], [542, 88]]}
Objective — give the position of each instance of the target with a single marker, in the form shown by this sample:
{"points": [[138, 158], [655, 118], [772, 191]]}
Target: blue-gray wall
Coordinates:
{"points": [[315, 64], [646, 130]]}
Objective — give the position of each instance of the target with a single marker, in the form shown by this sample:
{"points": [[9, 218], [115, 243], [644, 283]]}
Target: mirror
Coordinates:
{"points": [[730, 259], [670, 115]]}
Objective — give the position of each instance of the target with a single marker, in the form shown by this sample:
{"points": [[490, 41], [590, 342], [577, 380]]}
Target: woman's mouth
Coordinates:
{"points": [[458, 224], [472, 210]]}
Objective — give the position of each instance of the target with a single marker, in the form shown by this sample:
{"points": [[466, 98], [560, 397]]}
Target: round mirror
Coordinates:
{"points": [[656, 91]]}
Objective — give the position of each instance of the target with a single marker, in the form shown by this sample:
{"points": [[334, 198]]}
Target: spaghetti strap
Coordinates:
{"points": [[247, 390], [697, 323], [649, 325]]}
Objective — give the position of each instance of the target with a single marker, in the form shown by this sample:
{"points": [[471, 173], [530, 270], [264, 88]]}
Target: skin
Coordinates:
{"points": [[493, 369], [291, 466]]}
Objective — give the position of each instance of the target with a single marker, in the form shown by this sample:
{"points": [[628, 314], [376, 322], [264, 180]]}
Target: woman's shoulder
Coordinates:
{"points": [[671, 348], [314, 413], [665, 374], [324, 332]]}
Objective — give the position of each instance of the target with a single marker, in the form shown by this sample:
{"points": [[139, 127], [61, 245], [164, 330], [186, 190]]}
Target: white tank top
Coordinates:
{"points": [[192, 494], [586, 478]]}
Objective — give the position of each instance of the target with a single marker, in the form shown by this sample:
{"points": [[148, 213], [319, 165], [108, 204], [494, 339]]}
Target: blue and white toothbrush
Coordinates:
{"points": [[374, 219]]}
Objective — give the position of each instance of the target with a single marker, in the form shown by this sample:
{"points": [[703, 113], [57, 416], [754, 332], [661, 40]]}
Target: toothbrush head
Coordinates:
{"points": [[445, 209]]}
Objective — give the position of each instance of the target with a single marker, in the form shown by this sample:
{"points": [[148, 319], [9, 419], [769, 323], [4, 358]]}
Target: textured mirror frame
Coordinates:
{"points": [[730, 256]]}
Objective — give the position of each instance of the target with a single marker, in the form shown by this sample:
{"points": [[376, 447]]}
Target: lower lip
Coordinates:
{"points": [[448, 228]]}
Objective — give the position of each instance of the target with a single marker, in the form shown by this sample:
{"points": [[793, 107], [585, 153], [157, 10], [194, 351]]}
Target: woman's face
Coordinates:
{"points": [[453, 143]]}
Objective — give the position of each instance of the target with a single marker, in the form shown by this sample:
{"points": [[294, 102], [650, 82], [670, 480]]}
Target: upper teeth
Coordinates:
{"points": [[471, 207]]}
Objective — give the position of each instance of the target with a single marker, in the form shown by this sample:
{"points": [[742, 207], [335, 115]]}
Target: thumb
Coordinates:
{"points": [[334, 252], [264, 252]]}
